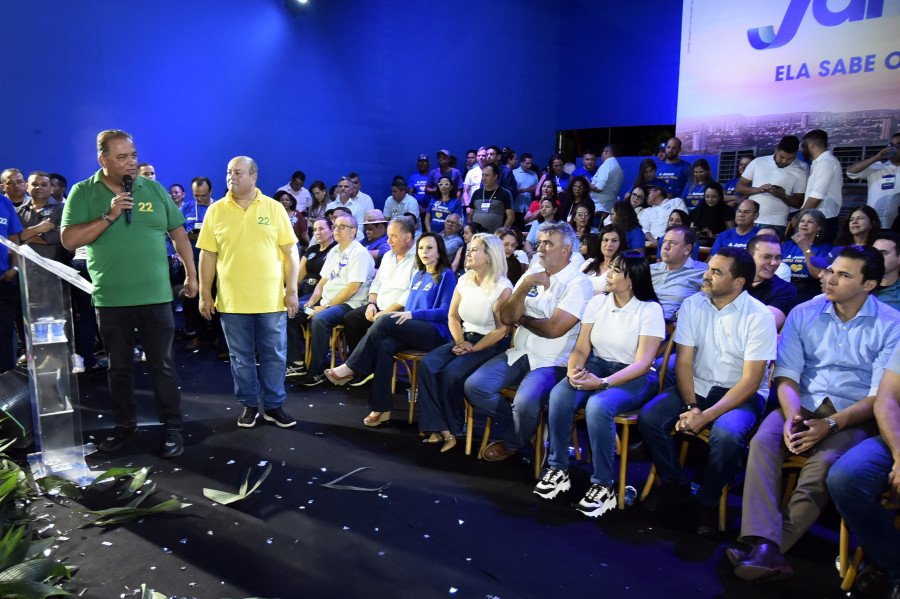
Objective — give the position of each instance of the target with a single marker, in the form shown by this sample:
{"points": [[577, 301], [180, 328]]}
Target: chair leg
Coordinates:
{"points": [[470, 425], [394, 376], [539, 447], [852, 570], [623, 465], [651, 480], [723, 508], [485, 438], [844, 548], [413, 371]]}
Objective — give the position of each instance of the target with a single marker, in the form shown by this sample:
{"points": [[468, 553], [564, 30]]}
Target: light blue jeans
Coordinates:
{"points": [[247, 334]]}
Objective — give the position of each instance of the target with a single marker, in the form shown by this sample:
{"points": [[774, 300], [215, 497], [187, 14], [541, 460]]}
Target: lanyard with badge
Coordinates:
{"points": [[486, 202]]}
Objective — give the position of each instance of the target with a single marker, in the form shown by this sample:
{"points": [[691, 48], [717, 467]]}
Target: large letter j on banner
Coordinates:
{"points": [[763, 38]]}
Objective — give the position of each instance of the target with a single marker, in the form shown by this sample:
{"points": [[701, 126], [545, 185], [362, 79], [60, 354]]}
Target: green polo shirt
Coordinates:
{"points": [[128, 263]]}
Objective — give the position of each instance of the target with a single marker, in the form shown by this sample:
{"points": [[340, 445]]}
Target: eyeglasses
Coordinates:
{"points": [[342, 227]]}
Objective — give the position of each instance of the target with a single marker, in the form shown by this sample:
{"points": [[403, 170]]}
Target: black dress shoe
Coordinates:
{"points": [[667, 496], [870, 582], [736, 555], [765, 562], [708, 521]]}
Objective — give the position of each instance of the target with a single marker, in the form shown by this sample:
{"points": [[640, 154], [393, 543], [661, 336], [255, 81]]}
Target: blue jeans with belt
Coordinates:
{"points": [[729, 435], [442, 378], [601, 407], [520, 419]]}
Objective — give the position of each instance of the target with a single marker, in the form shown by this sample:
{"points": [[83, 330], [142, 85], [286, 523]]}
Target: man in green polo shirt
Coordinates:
{"points": [[126, 258]]}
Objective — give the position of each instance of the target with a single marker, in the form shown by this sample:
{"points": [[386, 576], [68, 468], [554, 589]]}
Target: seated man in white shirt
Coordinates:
{"points": [[655, 216], [346, 275], [724, 339], [547, 304]]}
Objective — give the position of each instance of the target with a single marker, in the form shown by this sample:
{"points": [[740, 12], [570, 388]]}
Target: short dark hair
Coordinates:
{"points": [[873, 261], [637, 270], [496, 150], [590, 151], [178, 185], [527, 155], [690, 238], [299, 175], [59, 178], [352, 175], [789, 144], [494, 167], [282, 193], [764, 238], [613, 149], [399, 181], [888, 235], [742, 264], [818, 137], [201, 181]]}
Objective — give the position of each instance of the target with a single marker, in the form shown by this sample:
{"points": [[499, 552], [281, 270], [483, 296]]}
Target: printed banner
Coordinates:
{"points": [[752, 73]]}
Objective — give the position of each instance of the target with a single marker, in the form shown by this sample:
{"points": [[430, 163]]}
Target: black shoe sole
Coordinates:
{"points": [[277, 423]]}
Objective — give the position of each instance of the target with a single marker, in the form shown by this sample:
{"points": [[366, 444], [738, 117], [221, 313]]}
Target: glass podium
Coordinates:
{"points": [[49, 343]]}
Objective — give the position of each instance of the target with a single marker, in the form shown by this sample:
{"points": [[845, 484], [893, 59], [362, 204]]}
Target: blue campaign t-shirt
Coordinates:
{"points": [[730, 238], [692, 194], [583, 172], [439, 212], [675, 176], [9, 225], [430, 301], [729, 187], [418, 181]]}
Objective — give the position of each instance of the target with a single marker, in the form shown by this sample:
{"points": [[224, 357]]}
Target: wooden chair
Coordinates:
{"points": [[410, 359], [338, 345], [509, 393], [849, 575], [626, 421], [304, 330]]}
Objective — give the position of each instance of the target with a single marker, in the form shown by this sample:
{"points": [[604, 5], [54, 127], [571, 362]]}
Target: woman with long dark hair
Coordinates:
{"points": [[548, 214], [422, 326], [646, 173], [609, 373], [582, 223], [578, 193], [546, 190], [440, 208], [860, 228], [610, 243], [624, 216], [712, 216], [694, 190]]}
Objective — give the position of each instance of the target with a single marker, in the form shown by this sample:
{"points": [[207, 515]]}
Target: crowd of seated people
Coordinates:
{"points": [[533, 282]]}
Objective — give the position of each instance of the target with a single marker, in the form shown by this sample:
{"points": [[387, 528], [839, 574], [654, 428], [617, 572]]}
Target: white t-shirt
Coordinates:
{"points": [[473, 179], [826, 182], [615, 331], [477, 302], [884, 190], [598, 282], [342, 267], [653, 219], [569, 291], [303, 197], [791, 178]]}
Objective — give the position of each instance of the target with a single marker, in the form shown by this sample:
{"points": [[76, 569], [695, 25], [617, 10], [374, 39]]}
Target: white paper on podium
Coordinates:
{"points": [[64, 272]]}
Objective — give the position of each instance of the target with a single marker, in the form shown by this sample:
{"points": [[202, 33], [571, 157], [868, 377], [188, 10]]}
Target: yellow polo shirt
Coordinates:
{"points": [[250, 265]]}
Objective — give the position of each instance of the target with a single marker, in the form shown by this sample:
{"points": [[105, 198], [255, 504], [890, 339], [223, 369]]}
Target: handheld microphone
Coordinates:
{"points": [[127, 180]]}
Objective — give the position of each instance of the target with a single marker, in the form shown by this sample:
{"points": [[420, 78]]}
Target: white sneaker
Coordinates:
{"points": [[597, 501], [77, 364], [552, 483]]}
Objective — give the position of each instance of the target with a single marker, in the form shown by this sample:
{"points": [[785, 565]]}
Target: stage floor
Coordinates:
{"points": [[448, 525]]}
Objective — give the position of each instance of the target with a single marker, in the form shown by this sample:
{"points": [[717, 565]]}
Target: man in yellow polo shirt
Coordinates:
{"points": [[248, 246]]}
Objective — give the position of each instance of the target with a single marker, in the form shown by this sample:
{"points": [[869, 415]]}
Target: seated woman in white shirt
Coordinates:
{"points": [[608, 374], [478, 335], [609, 244]]}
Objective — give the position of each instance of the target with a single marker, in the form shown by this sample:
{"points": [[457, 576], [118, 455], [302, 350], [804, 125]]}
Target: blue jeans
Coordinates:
{"points": [[156, 327], [602, 407], [320, 327], [856, 482], [442, 377], [375, 353], [728, 439], [520, 419], [247, 334]]}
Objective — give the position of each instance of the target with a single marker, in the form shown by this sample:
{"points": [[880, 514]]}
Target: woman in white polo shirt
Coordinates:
{"points": [[478, 336], [608, 374]]}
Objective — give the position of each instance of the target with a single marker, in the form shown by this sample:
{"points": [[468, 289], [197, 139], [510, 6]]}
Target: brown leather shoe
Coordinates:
{"points": [[496, 452], [766, 561]]}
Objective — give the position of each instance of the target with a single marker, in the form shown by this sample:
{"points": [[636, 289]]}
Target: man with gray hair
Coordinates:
{"points": [[547, 304], [127, 262], [350, 198], [248, 247]]}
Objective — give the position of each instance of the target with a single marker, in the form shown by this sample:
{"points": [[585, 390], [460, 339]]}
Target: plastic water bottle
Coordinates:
{"points": [[630, 494]]}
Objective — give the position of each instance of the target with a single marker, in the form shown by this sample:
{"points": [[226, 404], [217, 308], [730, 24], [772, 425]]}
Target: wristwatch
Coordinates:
{"points": [[604, 385], [832, 424], [105, 216], [691, 406]]}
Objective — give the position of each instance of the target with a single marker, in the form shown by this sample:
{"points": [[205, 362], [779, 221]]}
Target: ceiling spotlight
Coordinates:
{"points": [[296, 7]]}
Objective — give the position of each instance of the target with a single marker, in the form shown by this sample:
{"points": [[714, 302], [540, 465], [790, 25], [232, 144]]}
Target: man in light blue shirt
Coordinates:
{"points": [[607, 181], [526, 180], [725, 339], [831, 357], [676, 275]]}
